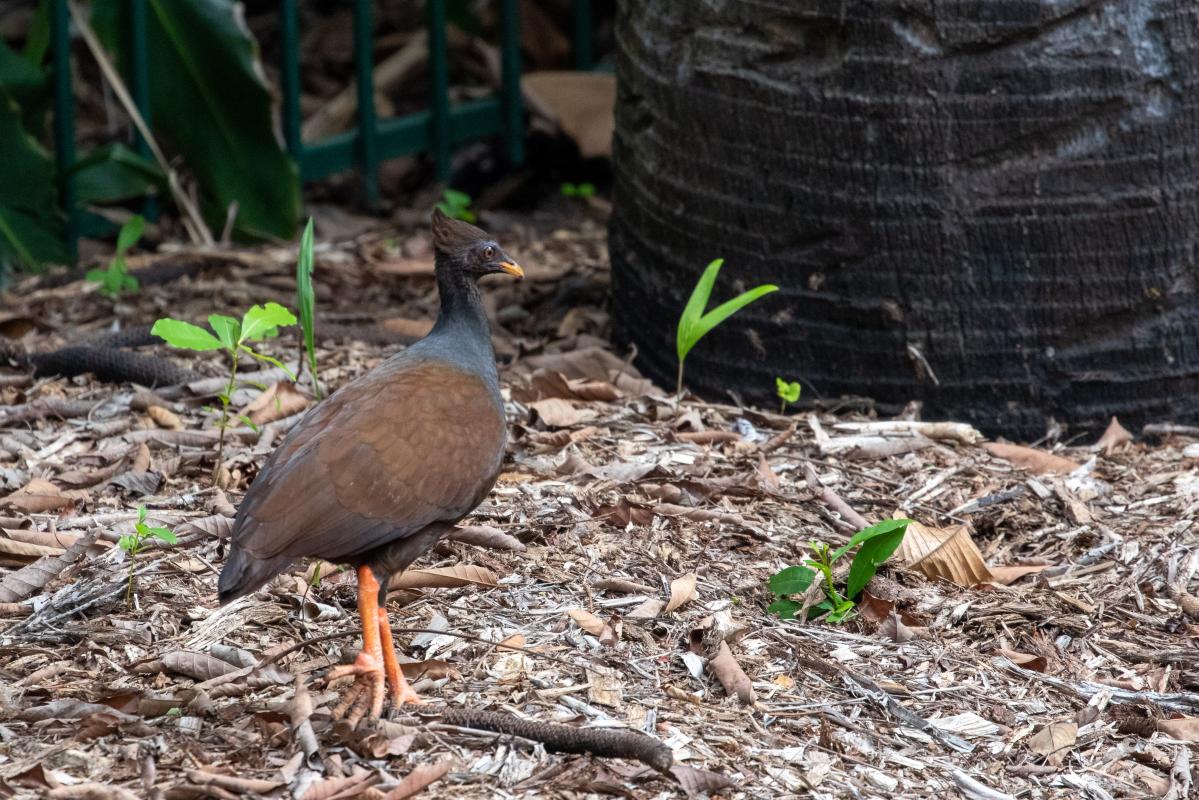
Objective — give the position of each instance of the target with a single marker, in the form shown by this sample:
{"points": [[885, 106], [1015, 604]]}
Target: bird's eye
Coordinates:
{"points": [[488, 252]]}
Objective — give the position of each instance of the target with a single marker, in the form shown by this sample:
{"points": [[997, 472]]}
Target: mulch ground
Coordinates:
{"points": [[1035, 637]]}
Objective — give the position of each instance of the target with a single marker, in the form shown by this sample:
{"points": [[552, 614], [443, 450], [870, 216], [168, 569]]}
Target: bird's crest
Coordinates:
{"points": [[453, 236]]}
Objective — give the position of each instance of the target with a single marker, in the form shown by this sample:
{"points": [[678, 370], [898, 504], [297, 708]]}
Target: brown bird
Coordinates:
{"points": [[376, 473]]}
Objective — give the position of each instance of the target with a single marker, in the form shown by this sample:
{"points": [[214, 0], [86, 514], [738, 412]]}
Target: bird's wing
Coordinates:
{"points": [[377, 461]]}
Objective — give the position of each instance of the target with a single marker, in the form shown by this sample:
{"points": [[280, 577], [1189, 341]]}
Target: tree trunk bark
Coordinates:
{"points": [[986, 206]]}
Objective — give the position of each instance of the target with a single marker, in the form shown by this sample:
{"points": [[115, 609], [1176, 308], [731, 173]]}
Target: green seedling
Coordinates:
{"points": [[116, 278], [787, 392], [139, 540], [456, 205], [232, 336], [306, 301], [694, 323], [875, 545], [580, 190]]}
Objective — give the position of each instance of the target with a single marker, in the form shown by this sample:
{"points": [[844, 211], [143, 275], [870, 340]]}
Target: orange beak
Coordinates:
{"points": [[513, 269]]}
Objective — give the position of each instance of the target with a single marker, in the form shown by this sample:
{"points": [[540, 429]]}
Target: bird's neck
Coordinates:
{"points": [[461, 304]]}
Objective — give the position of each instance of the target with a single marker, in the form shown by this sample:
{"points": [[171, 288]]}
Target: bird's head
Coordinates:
{"points": [[470, 249]]}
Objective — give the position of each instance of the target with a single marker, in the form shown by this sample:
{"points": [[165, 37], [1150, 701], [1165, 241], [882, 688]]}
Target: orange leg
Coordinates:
{"points": [[367, 691], [401, 692]]}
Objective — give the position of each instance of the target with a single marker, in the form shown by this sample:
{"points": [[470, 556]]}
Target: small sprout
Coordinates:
{"points": [[232, 336], [875, 545], [456, 205], [580, 190], [116, 278], [139, 540], [306, 301], [788, 392], [694, 323]]}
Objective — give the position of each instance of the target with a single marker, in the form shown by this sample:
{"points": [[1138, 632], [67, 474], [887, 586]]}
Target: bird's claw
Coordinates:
{"points": [[366, 693]]}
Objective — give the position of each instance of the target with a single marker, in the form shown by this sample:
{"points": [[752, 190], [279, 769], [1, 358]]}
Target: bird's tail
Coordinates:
{"points": [[244, 573]]}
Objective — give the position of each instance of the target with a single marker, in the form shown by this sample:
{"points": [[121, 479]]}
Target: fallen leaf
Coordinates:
{"points": [[893, 628], [343, 787], [1185, 729], [558, 413], [647, 610], [1114, 436], [581, 103], [165, 418], [29, 579], [604, 686], [279, 401], [443, 577], [947, 553], [1036, 461], [198, 666], [682, 590], [1011, 573], [587, 621], [1026, 660], [40, 496], [696, 782], [731, 676], [485, 536], [90, 791], [621, 585], [1054, 741], [432, 668], [141, 458], [417, 780]]}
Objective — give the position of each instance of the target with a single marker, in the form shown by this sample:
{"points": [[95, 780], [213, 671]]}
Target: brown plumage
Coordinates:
{"points": [[377, 472]]}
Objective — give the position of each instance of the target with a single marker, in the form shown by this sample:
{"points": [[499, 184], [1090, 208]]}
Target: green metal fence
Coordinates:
{"points": [[436, 130]]}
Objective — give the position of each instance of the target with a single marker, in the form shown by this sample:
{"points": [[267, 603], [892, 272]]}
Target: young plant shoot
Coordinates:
{"points": [[456, 205], [875, 545], [116, 279], [139, 540], [694, 323], [579, 190], [234, 337], [306, 301], [788, 392]]}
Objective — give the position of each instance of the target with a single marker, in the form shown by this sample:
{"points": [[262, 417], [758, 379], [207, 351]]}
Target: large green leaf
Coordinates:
{"points": [[113, 174], [27, 84], [210, 103], [31, 227]]}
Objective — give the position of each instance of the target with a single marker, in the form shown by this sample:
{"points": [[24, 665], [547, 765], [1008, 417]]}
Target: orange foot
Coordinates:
{"points": [[365, 693]]}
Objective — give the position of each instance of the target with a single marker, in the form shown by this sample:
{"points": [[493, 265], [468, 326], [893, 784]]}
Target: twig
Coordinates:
{"points": [[851, 519], [602, 742], [197, 228]]}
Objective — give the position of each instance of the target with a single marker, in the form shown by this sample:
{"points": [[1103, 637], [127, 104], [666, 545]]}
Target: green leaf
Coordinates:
{"points": [[687, 334], [115, 174], [210, 100], [32, 230], [306, 298], [131, 231], [127, 543], [586, 190], [785, 609], [274, 362], [28, 85], [456, 198], [787, 391], [164, 534], [878, 529], [792, 580], [569, 190], [249, 423], [141, 514], [184, 335], [228, 330], [727, 309], [874, 551], [263, 322], [95, 275]]}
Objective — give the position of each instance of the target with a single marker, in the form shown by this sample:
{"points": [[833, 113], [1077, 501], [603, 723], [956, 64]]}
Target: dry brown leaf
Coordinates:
{"points": [[141, 458], [587, 621], [512, 642], [24, 551], [731, 676], [232, 783], [341, 788], [485, 536], [431, 668], [90, 791], [604, 686], [947, 553], [418, 779], [29, 579], [558, 413], [40, 496], [621, 585], [443, 577], [682, 590], [279, 401], [1035, 461], [647, 610], [165, 418], [1054, 741], [198, 666], [1026, 660], [217, 526], [1185, 729], [1011, 573], [697, 782], [1114, 436], [581, 103]]}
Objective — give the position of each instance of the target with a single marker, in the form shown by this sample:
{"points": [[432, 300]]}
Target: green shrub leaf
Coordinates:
{"points": [[874, 551], [792, 580], [306, 297], [131, 231], [184, 335], [228, 330], [695, 324], [263, 322], [784, 609], [32, 231]]}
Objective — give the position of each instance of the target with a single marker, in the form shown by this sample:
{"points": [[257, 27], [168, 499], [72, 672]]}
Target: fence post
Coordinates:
{"points": [[439, 110], [368, 135], [581, 23], [139, 86], [64, 119], [289, 77], [513, 108]]}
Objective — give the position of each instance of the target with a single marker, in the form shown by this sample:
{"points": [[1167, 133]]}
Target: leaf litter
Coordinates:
{"points": [[1034, 637]]}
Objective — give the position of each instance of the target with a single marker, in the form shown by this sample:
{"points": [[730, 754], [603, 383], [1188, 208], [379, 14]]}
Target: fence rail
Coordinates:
{"points": [[436, 130]]}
